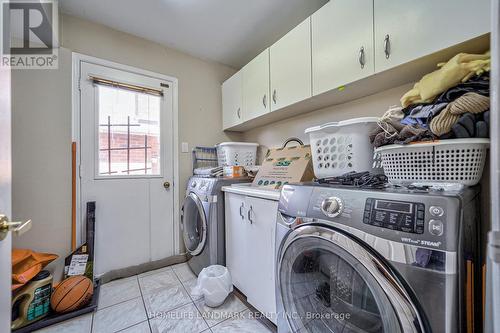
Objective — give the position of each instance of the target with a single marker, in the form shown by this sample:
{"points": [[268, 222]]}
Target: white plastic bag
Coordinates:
{"points": [[214, 284]]}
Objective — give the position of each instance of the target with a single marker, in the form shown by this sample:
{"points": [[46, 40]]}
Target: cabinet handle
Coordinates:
{"points": [[274, 96], [362, 57], [264, 101], [387, 46], [241, 211], [238, 112], [249, 215]]}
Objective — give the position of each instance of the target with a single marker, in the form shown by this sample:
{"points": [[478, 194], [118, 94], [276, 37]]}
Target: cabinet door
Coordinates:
{"points": [[291, 67], [232, 100], [261, 216], [342, 44], [236, 229], [417, 28], [256, 100]]}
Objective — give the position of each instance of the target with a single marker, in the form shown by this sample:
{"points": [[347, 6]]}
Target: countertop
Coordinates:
{"points": [[253, 191]]}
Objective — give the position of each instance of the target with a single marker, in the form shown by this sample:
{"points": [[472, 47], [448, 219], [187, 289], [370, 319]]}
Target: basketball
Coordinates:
{"points": [[71, 294]]}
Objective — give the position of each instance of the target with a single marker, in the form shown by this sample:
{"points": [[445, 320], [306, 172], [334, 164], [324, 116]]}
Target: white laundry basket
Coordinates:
{"points": [[237, 153], [455, 161], [341, 147]]}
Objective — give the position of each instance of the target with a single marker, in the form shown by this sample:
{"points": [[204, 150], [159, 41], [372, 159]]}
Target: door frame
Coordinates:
{"points": [[77, 59]]}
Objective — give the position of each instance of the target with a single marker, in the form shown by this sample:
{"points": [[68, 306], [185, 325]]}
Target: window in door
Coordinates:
{"points": [[129, 133]]}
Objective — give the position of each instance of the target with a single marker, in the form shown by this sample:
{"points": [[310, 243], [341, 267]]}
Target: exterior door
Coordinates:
{"points": [[331, 283], [5, 198], [126, 145]]}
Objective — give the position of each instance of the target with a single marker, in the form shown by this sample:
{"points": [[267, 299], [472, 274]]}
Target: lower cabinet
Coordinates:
{"points": [[250, 246]]}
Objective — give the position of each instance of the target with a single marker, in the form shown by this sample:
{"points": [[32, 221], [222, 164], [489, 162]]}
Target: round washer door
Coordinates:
{"points": [[194, 224], [330, 282]]}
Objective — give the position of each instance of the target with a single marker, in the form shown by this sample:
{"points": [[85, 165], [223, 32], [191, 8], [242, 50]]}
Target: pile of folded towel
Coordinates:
{"points": [[209, 172], [451, 102]]}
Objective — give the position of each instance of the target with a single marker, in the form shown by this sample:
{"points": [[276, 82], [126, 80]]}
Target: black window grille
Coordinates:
{"points": [[128, 148]]}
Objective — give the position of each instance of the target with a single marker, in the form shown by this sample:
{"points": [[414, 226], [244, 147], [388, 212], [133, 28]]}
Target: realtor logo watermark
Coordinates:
{"points": [[29, 34]]}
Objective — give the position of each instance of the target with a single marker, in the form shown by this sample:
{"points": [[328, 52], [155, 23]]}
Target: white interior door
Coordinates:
{"points": [[126, 157], [5, 197]]}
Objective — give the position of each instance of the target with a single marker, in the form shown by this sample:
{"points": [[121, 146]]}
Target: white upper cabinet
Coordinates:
{"points": [[351, 42], [342, 44], [256, 101], [232, 101], [291, 67], [407, 29]]}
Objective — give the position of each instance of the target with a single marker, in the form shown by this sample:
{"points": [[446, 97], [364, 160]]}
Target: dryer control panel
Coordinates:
{"points": [[396, 215]]}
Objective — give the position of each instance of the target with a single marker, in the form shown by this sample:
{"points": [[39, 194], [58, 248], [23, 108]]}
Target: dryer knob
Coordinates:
{"points": [[332, 207]]}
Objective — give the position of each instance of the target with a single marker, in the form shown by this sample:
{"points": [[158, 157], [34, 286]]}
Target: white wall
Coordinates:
{"points": [[41, 104], [275, 134]]}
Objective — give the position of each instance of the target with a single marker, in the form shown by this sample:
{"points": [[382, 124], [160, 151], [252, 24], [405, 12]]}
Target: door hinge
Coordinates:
{"points": [[80, 84]]}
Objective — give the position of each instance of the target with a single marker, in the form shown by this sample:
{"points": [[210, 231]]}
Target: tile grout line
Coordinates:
{"points": [[227, 319], [121, 302], [144, 304], [126, 328], [194, 302], [176, 307], [160, 270], [92, 322]]}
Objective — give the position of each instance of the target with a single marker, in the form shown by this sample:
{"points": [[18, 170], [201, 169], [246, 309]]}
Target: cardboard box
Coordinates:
{"points": [[285, 165], [234, 171]]}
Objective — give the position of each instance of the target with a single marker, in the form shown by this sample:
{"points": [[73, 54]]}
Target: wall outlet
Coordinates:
{"points": [[185, 147]]}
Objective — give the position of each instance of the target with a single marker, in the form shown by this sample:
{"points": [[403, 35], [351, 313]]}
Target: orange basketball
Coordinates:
{"points": [[72, 294]]}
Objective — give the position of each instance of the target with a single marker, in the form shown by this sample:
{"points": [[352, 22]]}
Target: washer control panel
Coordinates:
{"points": [[200, 185], [396, 215], [332, 207]]}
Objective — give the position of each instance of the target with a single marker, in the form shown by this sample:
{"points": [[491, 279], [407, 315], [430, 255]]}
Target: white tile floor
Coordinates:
{"points": [[160, 301]]}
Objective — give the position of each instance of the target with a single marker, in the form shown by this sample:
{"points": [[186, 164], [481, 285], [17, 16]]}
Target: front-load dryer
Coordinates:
{"points": [[202, 221], [353, 260]]}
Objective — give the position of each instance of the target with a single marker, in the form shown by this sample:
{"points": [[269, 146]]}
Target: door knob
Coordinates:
{"points": [[166, 185], [18, 228]]}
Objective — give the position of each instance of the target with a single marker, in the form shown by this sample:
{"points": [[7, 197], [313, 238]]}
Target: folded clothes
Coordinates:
{"points": [[458, 69], [421, 114], [391, 131], [469, 102], [208, 171], [478, 84]]}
